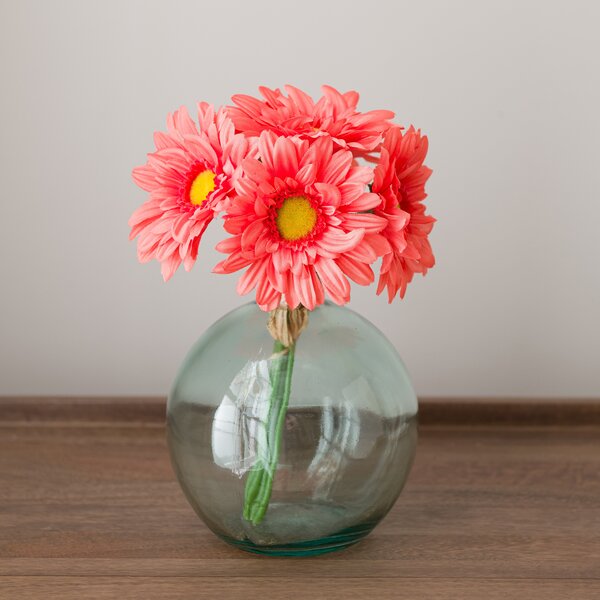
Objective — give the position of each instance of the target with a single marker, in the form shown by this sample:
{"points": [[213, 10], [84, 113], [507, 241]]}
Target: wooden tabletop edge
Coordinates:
{"points": [[436, 411]]}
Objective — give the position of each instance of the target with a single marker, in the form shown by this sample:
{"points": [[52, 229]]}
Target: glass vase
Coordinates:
{"points": [[294, 450]]}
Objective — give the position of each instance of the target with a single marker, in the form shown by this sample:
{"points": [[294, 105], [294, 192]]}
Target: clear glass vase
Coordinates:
{"points": [[340, 448]]}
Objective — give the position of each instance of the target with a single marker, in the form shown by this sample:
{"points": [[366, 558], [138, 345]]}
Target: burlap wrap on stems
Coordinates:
{"points": [[286, 325]]}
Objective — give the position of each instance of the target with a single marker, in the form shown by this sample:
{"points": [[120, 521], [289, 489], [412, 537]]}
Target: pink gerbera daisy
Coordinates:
{"points": [[190, 177], [299, 223], [400, 178], [297, 114]]}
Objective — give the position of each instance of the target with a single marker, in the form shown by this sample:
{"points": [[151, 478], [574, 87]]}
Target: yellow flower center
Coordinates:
{"points": [[296, 218], [202, 186]]}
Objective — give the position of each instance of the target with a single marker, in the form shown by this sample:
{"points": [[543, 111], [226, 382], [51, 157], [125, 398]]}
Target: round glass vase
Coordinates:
{"points": [[326, 465]]}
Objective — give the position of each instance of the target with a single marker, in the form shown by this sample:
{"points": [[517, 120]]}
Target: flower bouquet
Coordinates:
{"points": [[311, 195]]}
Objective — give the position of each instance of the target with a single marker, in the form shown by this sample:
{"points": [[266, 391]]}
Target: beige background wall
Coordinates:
{"points": [[508, 92]]}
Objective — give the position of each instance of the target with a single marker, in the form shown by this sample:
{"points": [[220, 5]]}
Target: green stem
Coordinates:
{"points": [[259, 483], [255, 477]]}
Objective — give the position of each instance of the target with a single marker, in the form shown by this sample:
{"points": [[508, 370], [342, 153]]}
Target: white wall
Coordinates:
{"points": [[508, 92]]}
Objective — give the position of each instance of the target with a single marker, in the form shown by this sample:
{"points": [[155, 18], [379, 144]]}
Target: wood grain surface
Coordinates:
{"points": [[89, 508]]}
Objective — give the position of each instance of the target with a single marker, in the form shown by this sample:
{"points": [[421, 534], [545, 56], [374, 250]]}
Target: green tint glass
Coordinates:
{"points": [[345, 444]]}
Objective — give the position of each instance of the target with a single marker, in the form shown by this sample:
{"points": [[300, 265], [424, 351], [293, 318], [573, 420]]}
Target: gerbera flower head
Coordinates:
{"points": [[400, 178], [299, 223], [190, 177], [297, 114]]}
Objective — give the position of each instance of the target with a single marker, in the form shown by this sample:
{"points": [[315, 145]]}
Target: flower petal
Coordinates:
{"points": [[285, 157], [369, 222], [333, 280], [335, 240], [250, 278], [358, 271]]}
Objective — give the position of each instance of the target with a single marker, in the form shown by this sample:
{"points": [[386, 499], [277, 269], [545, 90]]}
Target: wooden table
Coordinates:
{"points": [[503, 502]]}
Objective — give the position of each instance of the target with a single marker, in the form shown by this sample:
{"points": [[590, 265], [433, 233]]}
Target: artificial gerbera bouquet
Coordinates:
{"points": [[312, 194]]}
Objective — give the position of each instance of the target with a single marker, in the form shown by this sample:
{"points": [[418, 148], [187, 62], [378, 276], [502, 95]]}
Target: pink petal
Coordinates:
{"points": [[252, 233], [322, 147], [285, 157], [147, 251], [277, 279], [232, 263], [330, 194], [302, 100], [306, 175], [291, 296], [369, 222], [366, 201], [372, 116], [333, 279], [247, 103], [334, 97], [250, 279], [183, 122], [270, 301], [317, 285], [271, 96], [266, 295], [169, 266], [192, 254], [145, 177], [351, 98], [282, 260], [379, 244], [229, 244], [254, 169], [206, 115], [359, 272], [180, 227], [306, 291], [148, 210], [363, 253], [266, 147], [201, 149], [164, 140], [337, 167], [335, 240]]}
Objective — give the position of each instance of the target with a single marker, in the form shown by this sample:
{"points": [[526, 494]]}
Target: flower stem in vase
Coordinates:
{"points": [[285, 326]]}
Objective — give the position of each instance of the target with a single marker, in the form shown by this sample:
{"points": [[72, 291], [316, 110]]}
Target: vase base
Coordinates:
{"points": [[331, 543]]}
